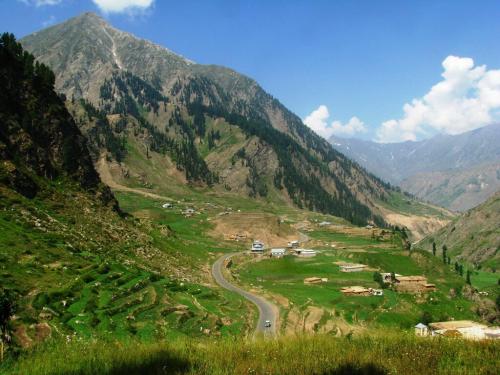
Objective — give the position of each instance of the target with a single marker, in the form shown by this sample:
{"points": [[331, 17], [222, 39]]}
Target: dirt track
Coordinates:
{"points": [[107, 178]]}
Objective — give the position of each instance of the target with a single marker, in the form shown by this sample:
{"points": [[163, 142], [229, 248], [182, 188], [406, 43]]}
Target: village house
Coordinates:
{"points": [[257, 246], [278, 253], [167, 205], [324, 223], [236, 237], [315, 280], [305, 253], [293, 244], [421, 329], [413, 284], [351, 267], [460, 328], [355, 291], [361, 291]]}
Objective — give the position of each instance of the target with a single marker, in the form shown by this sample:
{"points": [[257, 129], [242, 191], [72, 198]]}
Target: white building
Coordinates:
{"points": [[278, 253], [463, 328], [167, 205], [257, 246], [305, 252], [349, 267], [293, 244], [421, 329]]}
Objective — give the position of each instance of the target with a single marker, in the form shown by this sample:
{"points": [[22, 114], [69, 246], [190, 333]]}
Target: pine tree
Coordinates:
{"points": [[467, 279], [433, 248], [445, 249]]}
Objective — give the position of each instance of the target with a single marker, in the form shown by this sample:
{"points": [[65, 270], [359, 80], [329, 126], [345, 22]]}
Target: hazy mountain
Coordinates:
{"points": [[474, 236], [156, 112], [455, 171]]}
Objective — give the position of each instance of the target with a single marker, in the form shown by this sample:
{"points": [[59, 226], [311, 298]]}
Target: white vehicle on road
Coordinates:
{"points": [[267, 323]]}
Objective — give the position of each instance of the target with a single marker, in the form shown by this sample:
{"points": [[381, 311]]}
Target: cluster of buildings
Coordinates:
{"points": [[258, 247], [460, 328]]}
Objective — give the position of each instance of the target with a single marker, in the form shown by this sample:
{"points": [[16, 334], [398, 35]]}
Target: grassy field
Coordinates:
{"points": [[381, 353], [80, 270], [285, 277]]}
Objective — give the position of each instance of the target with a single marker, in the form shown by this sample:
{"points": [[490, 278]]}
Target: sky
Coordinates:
{"points": [[384, 70]]}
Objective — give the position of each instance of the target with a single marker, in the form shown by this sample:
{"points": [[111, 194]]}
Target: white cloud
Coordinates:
{"points": [[353, 126], [39, 3], [121, 6], [318, 122], [467, 98]]}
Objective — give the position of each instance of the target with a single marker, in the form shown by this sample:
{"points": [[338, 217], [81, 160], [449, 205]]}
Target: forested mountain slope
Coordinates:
{"points": [[135, 100], [474, 236]]}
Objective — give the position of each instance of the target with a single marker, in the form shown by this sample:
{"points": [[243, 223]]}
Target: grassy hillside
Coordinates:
{"points": [[382, 353], [472, 238]]}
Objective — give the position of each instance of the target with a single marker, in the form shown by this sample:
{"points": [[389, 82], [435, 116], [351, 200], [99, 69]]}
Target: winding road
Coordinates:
{"points": [[267, 310]]}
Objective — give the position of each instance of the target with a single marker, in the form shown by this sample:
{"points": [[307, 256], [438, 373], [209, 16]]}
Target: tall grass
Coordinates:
{"points": [[320, 354]]}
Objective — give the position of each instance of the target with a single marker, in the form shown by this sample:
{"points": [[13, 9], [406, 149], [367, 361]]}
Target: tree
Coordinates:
{"points": [[457, 268], [445, 249], [433, 248], [426, 318], [461, 270], [467, 278], [449, 260], [377, 277]]}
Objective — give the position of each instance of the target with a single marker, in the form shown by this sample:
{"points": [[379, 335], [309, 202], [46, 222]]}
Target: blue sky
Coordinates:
{"points": [[370, 69]]}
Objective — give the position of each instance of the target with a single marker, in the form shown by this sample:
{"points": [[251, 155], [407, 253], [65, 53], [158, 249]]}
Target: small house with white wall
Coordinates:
{"points": [[257, 246], [350, 267], [421, 329], [278, 252], [305, 253]]}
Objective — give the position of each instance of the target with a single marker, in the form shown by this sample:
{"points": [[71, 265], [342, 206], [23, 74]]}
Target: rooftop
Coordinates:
{"points": [[456, 324]]}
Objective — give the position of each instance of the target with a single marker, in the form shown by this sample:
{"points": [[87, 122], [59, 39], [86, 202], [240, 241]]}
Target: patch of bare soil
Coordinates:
{"points": [[420, 226], [262, 226]]}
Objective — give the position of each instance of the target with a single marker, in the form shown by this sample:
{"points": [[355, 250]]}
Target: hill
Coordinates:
{"points": [[473, 237], [77, 265], [455, 171], [169, 122]]}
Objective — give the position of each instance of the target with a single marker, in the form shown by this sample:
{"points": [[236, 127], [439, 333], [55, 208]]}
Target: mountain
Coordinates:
{"points": [[158, 120], [74, 262], [454, 171], [473, 237]]}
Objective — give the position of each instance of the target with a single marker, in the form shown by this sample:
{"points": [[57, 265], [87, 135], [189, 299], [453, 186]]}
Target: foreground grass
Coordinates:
{"points": [[376, 354]]}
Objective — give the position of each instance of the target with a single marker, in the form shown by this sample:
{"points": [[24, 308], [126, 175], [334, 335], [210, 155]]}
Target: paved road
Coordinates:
{"points": [[267, 311]]}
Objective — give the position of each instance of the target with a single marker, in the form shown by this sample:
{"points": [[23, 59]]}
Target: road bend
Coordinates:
{"points": [[267, 310]]}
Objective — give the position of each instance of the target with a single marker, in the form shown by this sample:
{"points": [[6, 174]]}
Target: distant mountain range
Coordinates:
{"points": [[168, 121], [454, 171]]}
